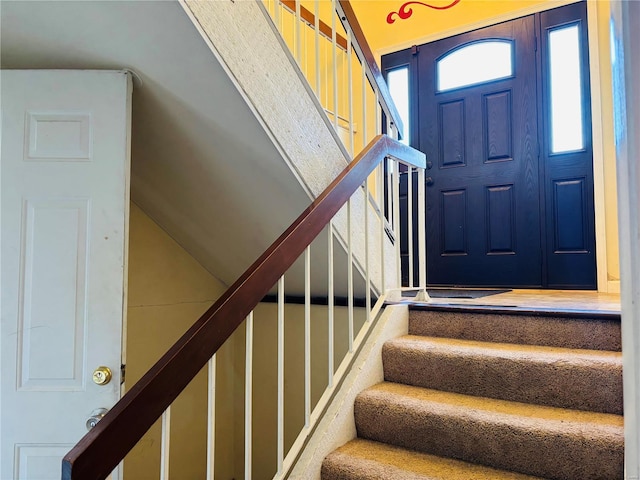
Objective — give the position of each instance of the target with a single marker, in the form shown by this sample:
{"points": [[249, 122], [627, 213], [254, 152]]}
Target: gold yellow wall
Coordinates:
{"points": [[426, 22]]}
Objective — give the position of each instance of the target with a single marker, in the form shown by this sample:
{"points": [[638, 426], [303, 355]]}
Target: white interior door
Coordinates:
{"points": [[65, 182]]}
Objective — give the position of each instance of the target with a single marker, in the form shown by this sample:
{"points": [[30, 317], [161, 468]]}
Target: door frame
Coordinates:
{"points": [[604, 285], [626, 32]]}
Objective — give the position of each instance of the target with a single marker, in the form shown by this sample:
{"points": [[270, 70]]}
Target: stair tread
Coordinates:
{"points": [[589, 380], [509, 327], [507, 350], [485, 409], [382, 461]]}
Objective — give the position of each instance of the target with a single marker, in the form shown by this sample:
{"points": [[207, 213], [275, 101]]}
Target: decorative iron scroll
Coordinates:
{"points": [[406, 11]]}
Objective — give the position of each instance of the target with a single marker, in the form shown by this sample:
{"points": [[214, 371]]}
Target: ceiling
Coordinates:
{"points": [[202, 166]]}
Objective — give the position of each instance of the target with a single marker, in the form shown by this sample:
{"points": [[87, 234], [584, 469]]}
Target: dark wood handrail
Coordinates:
{"points": [[348, 15], [100, 450]]}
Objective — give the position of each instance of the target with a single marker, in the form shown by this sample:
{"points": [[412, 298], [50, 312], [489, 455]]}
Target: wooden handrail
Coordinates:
{"points": [[103, 447], [348, 15]]}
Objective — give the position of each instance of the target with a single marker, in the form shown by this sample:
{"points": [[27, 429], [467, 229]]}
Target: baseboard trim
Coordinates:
{"points": [[613, 286]]}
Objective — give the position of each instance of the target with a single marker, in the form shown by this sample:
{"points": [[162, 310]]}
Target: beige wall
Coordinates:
{"points": [[265, 374], [168, 290], [427, 25]]}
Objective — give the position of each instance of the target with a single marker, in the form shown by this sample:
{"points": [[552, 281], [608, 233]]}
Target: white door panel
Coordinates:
{"points": [[65, 180]]}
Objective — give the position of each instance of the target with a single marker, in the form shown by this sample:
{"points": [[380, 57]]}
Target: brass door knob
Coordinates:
{"points": [[102, 375]]}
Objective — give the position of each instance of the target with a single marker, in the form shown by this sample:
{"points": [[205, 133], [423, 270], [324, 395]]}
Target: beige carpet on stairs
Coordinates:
{"points": [[490, 396], [367, 460]]}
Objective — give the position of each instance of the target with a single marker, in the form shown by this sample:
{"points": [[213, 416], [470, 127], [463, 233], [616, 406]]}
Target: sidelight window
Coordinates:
{"points": [[567, 130], [398, 82]]}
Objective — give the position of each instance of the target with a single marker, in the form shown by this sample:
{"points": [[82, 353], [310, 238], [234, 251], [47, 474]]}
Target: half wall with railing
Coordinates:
{"points": [[331, 51], [322, 283]]}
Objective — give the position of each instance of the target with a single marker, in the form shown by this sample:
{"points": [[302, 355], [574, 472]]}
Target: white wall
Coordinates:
{"points": [[626, 90]]}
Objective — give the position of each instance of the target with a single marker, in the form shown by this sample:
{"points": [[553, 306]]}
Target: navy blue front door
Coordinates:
{"points": [[503, 209]]}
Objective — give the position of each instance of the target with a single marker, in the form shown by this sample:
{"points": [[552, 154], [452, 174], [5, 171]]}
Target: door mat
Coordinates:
{"points": [[456, 292]]}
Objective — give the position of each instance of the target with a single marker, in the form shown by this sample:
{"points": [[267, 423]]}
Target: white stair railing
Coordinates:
{"points": [[327, 229], [339, 66], [361, 258], [361, 245]]}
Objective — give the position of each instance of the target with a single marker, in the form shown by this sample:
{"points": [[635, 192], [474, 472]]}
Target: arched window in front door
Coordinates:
{"points": [[475, 63]]}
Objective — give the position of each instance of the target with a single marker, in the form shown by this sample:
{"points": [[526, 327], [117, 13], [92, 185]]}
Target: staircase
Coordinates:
{"points": [[472, 394]]}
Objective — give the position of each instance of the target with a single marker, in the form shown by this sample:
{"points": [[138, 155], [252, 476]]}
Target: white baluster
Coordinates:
{"points": [[366, 253], [330, 301], [307, 337], [350, 293], [165, 447], [350, 97], [248, 397], [211, 417], [410, 222], [422, 234], [389, 209], [380, 169], [396, 220], [278, 16], [382, 232], [297, 34], [280, 446], [316, 27], [365, 138], [334, 46]]}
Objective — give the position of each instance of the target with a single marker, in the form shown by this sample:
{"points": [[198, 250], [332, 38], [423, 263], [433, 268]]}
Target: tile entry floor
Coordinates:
{"points": [[571, 300]]}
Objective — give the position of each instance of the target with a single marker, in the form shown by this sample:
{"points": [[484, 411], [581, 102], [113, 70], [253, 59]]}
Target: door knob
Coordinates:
{"points": [[95, 417], [429, 181], [102, 375]]}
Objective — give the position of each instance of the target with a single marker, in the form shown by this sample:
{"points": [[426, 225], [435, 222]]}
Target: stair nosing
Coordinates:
{"points": [[466, 347], [458, 464], [612, 315]]}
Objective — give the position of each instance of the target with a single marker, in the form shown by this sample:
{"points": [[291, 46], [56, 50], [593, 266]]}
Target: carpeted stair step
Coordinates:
{"points": [[366, 460], [530, 439], [555, 376], [592, 331]]}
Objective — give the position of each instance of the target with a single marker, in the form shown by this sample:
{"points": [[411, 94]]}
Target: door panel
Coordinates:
{"points": [[501, 234], [65, 170], [483, 211], [453, 222], [498, 131]]}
